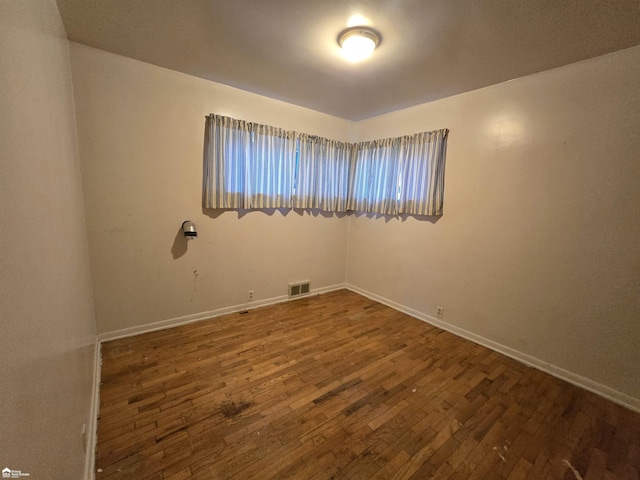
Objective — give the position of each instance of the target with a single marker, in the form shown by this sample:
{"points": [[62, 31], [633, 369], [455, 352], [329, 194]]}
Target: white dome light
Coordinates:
{"points": [[358, 43]]}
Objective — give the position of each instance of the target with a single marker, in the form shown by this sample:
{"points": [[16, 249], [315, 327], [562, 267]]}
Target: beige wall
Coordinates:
{"points": [[140, 131], [46, 310], [538, 248]]}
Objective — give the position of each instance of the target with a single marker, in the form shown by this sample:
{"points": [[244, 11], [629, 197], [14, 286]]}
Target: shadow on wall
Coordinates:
{"points": [[179, 247], [216, 212], [402, 217]]}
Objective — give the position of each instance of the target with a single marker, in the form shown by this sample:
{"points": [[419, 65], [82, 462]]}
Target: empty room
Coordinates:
{"points": [[320, 240]]}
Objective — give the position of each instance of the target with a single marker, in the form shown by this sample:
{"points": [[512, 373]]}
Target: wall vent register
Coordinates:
{"points": [[297, 289]]}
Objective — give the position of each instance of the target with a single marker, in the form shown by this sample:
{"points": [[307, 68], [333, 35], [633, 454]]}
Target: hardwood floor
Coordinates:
{"points": [[342, 387]]}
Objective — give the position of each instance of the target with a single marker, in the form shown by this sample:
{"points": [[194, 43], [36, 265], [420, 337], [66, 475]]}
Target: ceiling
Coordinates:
{"points": [[287, 49]]}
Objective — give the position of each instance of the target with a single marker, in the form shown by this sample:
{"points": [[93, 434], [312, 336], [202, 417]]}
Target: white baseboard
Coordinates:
{"points": [[92, 430], [196, 317], [573, 378]]}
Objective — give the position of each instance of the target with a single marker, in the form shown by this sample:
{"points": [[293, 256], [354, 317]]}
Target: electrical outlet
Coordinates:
{"points": [[439, 312], [250, 295]]}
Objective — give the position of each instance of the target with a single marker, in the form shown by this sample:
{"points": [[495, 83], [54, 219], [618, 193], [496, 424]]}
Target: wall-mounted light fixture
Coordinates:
{"points": [[189, 230], [358, 43]]}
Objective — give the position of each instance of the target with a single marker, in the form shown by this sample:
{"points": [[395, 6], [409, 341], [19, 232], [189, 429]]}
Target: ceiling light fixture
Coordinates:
{"points": [[358, 43]]}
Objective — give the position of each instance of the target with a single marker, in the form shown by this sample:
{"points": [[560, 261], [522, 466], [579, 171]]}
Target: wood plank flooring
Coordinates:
{"points": [[338, 386]]}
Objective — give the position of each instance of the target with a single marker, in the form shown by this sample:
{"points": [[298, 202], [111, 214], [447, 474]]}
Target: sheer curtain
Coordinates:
{"points": [[374, 177], [247, 165], [399, 175], [421, 178], [322, 180]]}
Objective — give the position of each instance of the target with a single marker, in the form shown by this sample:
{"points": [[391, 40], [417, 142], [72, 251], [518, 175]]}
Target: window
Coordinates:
{"points": [[374, 177], [399, 175], [421, 173], [249, 165], [322, 179]]}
